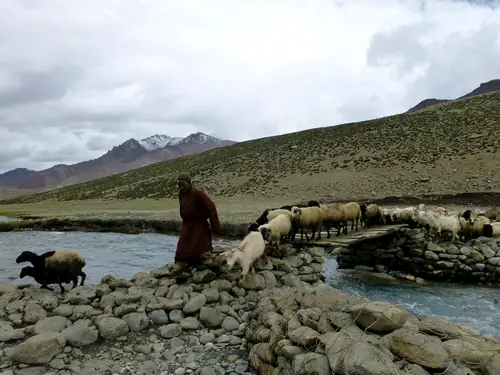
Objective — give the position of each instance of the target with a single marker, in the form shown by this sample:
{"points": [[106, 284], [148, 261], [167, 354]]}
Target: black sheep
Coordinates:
{"points": [[57, 266], [253, 227], [363, 214], [43, 277], [313, 204], [467, 215]]}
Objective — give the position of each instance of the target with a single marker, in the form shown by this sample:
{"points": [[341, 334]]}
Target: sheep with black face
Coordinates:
{"points": [[60, 264], [44, 278]]}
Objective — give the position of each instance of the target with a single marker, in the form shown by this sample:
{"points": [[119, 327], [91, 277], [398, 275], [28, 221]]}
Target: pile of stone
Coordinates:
{"points": [[280, 320], [147, 325], [320, 330], [423, 255]]}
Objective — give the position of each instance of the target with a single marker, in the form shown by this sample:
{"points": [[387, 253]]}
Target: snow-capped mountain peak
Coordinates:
{"points": [[200, 138], [158, 141], [129, 144]]}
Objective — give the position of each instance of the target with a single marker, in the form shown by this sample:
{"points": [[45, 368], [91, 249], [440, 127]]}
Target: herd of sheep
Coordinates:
{"points": [[284, 223]]}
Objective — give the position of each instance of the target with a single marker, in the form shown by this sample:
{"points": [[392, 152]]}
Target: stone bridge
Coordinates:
{"points": [[352, 237], [414, 252]]}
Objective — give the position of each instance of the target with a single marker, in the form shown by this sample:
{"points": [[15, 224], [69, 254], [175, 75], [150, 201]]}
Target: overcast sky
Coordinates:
{"points": [[78, 77]]}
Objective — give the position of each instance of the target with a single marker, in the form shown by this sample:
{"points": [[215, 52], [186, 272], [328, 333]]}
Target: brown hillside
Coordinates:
{"points": [[127, 156]]}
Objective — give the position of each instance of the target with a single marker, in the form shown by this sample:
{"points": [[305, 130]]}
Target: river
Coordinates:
{"points": [[125, 254]]}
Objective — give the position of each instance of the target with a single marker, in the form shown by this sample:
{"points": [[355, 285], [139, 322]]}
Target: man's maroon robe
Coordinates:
{"points": [[195, 238]]}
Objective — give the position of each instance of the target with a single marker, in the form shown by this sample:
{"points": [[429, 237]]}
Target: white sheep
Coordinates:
{"points": [[387, 215], [439, 210], [333, 216], [352, 212], [267, 216], [420, 217], [442, 222], [308, 217], [251, 248], [452, 213], [276, 229], [492, 229], [279, 211]]}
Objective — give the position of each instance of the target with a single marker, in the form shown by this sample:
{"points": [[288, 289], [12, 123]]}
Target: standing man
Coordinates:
{"points": [[195, 238]]}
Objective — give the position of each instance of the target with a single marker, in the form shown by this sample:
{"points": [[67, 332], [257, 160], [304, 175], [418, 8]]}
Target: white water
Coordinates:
{"points": [[125, 254]]}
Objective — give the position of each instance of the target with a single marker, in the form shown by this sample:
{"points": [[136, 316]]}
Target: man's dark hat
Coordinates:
{"points": [[184, 177]]}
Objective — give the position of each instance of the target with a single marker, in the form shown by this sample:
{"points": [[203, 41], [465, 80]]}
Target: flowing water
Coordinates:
{"points": [[125, 254]]}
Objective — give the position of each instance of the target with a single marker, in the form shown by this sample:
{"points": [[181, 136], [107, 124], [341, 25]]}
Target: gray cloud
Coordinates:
{"points": [[31, 87], [452, 67], [86, 76]]}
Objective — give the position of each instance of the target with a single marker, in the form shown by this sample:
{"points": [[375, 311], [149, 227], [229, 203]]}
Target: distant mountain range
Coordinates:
{"points": [[484, 88], [131, 154]]}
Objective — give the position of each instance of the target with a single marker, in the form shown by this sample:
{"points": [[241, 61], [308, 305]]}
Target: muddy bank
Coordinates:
{"points": [[130, 226]]}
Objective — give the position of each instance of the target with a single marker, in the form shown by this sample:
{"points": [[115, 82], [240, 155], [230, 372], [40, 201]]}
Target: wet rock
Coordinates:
{"points": [[190, 323], [424, 350], [81, 333], [111, 327], [136, 321], [171, 330], [52, 324], [378, 316], [211, 294], [364, 358], [33, 312], [39, 349], [211, 317], [8, 333], [158, 317], [304, 336], [176, 316], [254, 281], [311, 363], [230, 324], [63, 310], [204, 276], [194, 304]]}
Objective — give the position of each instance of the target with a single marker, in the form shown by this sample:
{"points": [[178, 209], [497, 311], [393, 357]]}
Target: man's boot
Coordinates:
{"points": [[177, 268]]}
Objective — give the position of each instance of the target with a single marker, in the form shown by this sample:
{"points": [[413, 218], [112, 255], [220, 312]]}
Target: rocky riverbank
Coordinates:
{"points": [[280, 320], [130, 226], [416, 252], [151, 324]]}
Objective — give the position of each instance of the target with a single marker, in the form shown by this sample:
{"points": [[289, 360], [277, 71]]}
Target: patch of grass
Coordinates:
{"points": [[10, 214], [236, 211], [447, 148]]}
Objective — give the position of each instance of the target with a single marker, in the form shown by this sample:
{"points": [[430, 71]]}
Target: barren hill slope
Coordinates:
{"points": [[452, 148]]}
